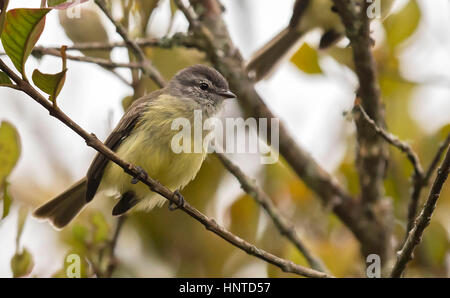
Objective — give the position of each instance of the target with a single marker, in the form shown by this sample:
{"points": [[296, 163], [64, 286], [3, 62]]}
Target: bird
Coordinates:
{"points": [[306, 16], [143, 137]]}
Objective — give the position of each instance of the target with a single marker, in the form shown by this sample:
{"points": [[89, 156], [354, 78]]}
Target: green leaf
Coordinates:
{"points": [[9, 149], [23, 27], [402, 25], [307, 59], [22, 263], [3, 6], [49, 83], [4, 79], [7, 200]]}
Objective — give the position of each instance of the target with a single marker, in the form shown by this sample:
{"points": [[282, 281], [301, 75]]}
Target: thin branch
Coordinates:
{"points": [[423, 220], [177, 39], [94, 60], [155, 186], [284, 226], [112, 261], [148, 68], [436, 159], [393, 140]]}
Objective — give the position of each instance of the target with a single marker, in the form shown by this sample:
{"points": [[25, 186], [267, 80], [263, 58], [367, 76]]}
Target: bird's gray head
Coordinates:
{"points": [[202, 84]]}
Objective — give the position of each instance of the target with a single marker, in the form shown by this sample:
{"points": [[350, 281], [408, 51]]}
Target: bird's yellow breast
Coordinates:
{"points": [[149, 146]]}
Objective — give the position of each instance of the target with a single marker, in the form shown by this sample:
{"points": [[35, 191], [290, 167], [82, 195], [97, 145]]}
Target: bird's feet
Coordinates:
{"points": [[141, 172], [179, 201]]}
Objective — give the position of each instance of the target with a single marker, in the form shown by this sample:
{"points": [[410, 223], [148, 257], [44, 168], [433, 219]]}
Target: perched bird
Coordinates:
{"points": [[143, 137], [306, 16]]}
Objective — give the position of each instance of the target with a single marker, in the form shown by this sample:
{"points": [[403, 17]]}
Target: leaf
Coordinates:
{"points": [[7, 200], [63, 4], [401, 25], [51, 83], [3, 6], [9, 149], [4, 79], [307, 59], [23, 27], [22, 263]]}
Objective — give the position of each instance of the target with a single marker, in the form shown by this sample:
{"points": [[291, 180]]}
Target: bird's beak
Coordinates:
{"points": [[227, 94]]}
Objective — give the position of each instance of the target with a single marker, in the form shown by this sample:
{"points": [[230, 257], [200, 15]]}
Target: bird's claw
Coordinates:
{"points": [[141, 172], [179, 201]]}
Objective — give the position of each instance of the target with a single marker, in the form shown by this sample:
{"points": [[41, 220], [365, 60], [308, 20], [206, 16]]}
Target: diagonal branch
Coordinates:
{"points": [[423, 220], [148, 68], [284, 226], [155, 186]]}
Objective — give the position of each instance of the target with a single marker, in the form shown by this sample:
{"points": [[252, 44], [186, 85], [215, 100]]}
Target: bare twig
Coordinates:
{"points": [[423, 220], [155, 186], [112, 261], [94, 60], [177, 39], [393, 140], [436, 159], [148, 68], [284, 226]]}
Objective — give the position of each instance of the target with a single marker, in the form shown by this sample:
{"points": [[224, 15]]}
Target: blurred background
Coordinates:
{"points": [[310, 93]]}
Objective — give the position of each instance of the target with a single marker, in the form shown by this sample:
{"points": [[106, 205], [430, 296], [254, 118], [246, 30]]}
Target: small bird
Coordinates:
{"points": [[143, 137], [306, 16]]}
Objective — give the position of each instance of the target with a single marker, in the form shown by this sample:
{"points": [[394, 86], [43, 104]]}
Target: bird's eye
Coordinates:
{"points": [[204, 86]]}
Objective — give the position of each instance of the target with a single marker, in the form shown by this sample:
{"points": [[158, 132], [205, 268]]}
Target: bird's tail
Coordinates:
{"points": [[62, 209], [269, 56]]}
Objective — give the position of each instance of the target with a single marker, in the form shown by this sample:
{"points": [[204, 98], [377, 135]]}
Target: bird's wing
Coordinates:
{"points": [[122, 130]]}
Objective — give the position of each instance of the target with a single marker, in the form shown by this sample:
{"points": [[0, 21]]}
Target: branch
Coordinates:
{"points": [[284, 226], [371, 153], [112, 261], [148, 68], [393, 140], [155, 186], [178, 39], [94, 60], [417, 177], [423, 220], [212, 34], [436, 159]]}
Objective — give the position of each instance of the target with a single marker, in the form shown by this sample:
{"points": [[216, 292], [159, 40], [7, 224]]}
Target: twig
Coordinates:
{"points": [[155, 186], [423, 220], [177, 39], [148, 68], [112, 261], [393, 140], [284, 226], [94, 60], [436, 159]]}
